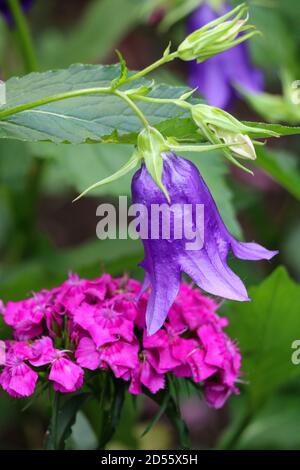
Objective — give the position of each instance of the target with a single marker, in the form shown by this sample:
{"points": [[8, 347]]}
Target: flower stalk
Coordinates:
{"points": [[23, 36]]}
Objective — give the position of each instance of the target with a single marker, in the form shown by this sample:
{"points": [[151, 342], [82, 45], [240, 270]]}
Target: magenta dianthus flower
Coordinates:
{"points": [[17, 378], [99, 325]]}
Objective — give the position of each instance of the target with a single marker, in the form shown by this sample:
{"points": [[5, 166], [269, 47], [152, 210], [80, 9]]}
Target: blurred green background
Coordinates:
{"points": [[43, 235]]}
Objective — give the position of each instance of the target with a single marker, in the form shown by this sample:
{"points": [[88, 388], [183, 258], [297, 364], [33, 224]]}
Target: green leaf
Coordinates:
{"points": [[275, 427], [168, 403], [93, 117], [265, 329], [111, 413], [63, 418], [283, 167], [274, 108], [160, 412], [83, 436], [291, 250], [89, 118], [280, 129]]}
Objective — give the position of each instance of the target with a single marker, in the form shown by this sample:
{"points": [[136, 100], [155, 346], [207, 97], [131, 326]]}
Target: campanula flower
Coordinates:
{"points": [[165, 259]]}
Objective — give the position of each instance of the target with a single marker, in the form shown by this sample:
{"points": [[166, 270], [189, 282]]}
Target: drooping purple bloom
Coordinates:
{"points": [[4, 9], [165, 259], [215, 78]]}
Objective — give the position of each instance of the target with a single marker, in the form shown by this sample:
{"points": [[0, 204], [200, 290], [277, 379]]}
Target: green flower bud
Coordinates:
{"points": [[203, 114], [217, 36], [150, 145], [240, 144], [219, 126]]}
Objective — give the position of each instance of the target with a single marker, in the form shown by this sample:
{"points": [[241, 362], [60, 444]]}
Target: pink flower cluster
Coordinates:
{"points": [[100, 324]]}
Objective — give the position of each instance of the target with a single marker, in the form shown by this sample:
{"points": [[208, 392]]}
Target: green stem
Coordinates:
{"points": [[163, 60], [198, 148], [133, 106], [102, 90], [28, 214], [53, 98], [74, 94], [149, 99], [51, 439], [23, 36]]}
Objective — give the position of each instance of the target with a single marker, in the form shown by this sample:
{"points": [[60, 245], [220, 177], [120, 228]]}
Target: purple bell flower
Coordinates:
{"points": [[166, 259], [215, 77], [4, 9]]}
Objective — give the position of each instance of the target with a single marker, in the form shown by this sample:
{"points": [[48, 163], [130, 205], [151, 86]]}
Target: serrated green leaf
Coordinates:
{"points": [[93, 117], [89, 118]]}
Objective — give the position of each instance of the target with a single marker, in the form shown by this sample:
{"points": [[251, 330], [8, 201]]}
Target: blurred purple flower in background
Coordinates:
{"points": [[5, 11], [215, 78]]}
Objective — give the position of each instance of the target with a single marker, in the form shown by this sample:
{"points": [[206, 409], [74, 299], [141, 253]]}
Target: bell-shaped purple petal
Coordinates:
{"points": [[215, 78], [166, 258]]}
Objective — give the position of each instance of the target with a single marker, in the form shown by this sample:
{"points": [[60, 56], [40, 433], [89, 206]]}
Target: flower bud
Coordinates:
{"points": [[242, 146], [150, 145], [219, 126], [217, 36]]}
